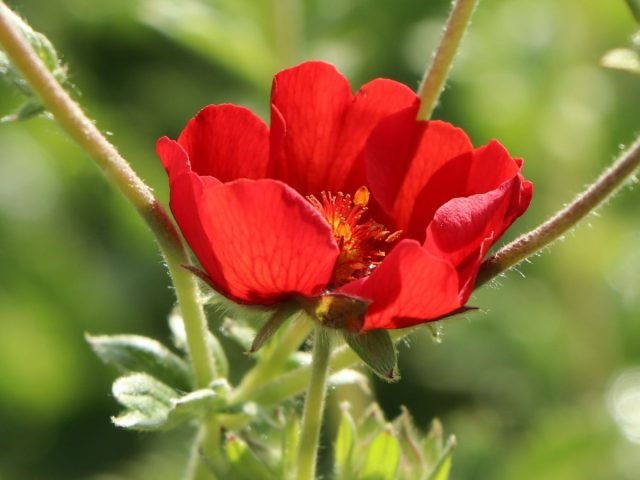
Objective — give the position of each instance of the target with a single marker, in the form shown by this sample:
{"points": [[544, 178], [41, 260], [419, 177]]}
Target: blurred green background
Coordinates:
{"points": [[544, 383]]}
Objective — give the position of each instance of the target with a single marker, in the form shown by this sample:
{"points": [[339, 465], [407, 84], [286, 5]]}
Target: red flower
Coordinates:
{"points": [[345, 193]]}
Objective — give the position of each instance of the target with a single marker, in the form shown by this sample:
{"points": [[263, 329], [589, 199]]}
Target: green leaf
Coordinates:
{"points": [[147, 402], [151, 405], [46, 52], [409, 441], [346, 441], [176, 324], [622, 59], [243, 462], [372, 422], [634, 5], [443, 467], [383, 457], [432, 444], [134, 353], [290, 442], [375, 348], [27, 110]]}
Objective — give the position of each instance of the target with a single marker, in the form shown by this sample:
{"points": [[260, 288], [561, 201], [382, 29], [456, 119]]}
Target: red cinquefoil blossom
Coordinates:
{"points": [[344, 194]]}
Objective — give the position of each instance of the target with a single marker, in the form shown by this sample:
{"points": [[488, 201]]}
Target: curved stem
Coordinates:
{"points": [[314, 406], [529, 243], [271, 363], [82, 130], [436, 75]]}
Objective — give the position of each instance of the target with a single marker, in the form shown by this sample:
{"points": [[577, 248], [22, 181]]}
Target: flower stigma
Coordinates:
{"points": [[363, 244]]}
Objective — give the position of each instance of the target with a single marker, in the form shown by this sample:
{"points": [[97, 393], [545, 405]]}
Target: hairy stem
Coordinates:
{"points": [[529, 243], [82, 130], [436, 75], [314, 406]]}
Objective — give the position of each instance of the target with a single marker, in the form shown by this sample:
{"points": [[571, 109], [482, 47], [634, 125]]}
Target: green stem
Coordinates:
{"points": [[436, 75], [271, 361], [82, 130], [314, 406], [586, 202]]}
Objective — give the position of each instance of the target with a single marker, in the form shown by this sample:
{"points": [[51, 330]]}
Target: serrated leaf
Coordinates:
{"points": [[432, 444], [409, 441], [147, 402], [151, 405], [346, 441], [290, 442], [622, 59], [383, 457], [371, 423], [176, 324], [134, 353], [443, 467], [376, 349], [243, 462]]}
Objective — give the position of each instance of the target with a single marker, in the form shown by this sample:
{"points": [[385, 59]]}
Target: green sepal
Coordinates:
{"points": [[346, 445], [290, 443], [134, 353], [443, 467], [376, 349], [152, 405], [243, 463], [335, 310], [383, 457], [220, 362], [271, 326]]}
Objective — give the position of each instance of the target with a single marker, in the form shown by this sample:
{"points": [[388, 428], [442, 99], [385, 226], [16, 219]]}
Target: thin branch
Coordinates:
{"points": [[437, 73], [529, 243]]}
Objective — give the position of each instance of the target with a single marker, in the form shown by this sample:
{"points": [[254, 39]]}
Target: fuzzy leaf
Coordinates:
{"points": [[375, 348], [443, 467], [134, 353], [383, 457], [147, 402], [243, 462]]}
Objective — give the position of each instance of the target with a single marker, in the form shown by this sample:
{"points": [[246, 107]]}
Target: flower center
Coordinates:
{"points": [[363, 244]]}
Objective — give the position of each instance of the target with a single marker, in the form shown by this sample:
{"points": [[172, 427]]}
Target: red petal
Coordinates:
{"points": [[259, 241], [173, 157], [465, 228], [226, 142], [411, 286], [492, 166], [415, 167], [318, 129]]}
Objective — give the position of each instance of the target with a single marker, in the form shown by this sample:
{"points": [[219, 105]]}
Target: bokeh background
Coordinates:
{"points": [[544, 383]]}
